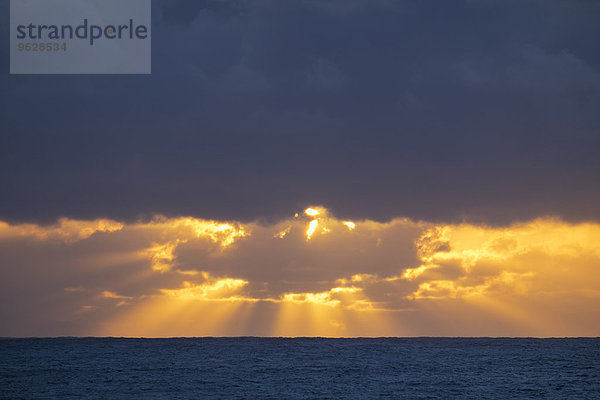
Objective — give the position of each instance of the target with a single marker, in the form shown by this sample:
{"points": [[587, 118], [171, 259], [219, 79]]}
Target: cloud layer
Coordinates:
{"points": [[304, 275], [484, 110]]}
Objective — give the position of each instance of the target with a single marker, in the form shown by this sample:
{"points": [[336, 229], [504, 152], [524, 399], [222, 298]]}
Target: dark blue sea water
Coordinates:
{"points": [[303, 368]]}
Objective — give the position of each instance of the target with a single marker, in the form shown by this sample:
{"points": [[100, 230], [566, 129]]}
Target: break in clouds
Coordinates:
{"points": [[306, 275]]}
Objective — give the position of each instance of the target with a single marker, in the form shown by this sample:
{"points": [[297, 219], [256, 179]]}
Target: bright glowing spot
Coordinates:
{"points": [[284, 232], [224, 234], [323, 298], [311, 212], [312, 226], [413, 273], [351, 225], [344, 290], [329, 298], [161, 255], [219, 289]]}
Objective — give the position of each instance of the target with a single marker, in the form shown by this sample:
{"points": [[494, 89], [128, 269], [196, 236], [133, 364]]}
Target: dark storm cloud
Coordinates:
{"points": [[441, 111]]}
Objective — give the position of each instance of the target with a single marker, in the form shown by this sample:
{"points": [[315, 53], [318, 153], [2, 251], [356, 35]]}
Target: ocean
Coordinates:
{"points": [[300, 368]]}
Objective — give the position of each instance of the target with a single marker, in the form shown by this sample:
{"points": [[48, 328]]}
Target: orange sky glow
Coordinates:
{"points": [[309, 275]]}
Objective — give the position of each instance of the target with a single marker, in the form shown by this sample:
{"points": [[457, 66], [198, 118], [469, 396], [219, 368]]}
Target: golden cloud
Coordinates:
{"points": [[66, 230], [347, 277]]}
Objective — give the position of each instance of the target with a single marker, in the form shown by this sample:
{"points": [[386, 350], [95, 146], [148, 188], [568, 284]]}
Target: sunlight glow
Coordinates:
{"points": [[217, 289], [312, 227], [66, 230], [324, 298], [161, 255], [413, 273], [311, 212], [223, 233], [284, 232], [187, 276], [351, 225]]}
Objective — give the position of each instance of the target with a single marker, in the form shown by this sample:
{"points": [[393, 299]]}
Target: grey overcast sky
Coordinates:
{"points": [[443, 111]]}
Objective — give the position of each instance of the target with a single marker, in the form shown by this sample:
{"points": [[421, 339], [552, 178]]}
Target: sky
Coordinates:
{"points": [[312, 168]]}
